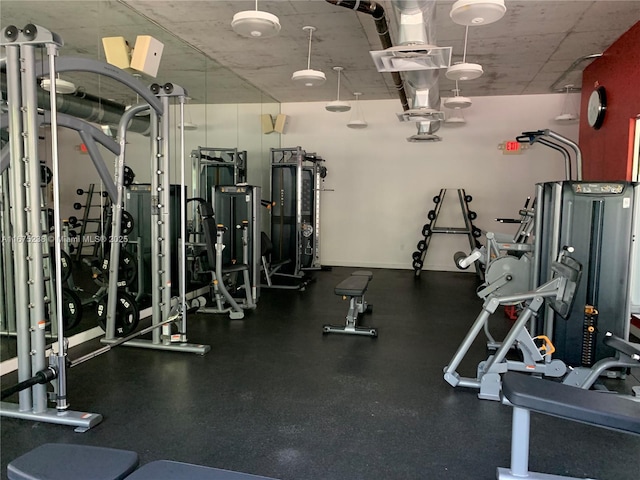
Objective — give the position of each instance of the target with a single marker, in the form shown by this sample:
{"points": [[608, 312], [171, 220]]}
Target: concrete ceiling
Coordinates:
{"points": [[524, 53]]}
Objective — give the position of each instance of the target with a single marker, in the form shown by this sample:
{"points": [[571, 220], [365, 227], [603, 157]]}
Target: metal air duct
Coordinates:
{"points": [[87, 107], [415, 22], [377, 12]]}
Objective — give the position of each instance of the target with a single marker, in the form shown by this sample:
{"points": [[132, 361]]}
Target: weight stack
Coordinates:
{"points": [[138, 203], [596, 219]]}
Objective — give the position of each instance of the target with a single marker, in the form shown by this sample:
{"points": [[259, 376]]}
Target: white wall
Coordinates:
{"points": [[383, 186]]}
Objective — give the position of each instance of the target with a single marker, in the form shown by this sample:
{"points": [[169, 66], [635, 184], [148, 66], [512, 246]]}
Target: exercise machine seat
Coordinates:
{"points": [[169, 470], [353, 286], [56, 461], [587, 406]]}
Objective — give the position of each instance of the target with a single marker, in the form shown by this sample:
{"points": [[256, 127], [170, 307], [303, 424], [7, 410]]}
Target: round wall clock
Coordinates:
{"points": [[597, 107]]}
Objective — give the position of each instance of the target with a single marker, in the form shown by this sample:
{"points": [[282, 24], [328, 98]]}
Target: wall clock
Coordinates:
{"points": [[597, 107]]}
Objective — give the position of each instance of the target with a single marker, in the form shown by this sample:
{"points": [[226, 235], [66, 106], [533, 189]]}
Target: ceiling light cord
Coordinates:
{"points": [[464, 53], [309, 54]]}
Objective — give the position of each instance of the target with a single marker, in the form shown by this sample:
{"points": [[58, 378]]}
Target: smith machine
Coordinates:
{"points": [[28, 249]]}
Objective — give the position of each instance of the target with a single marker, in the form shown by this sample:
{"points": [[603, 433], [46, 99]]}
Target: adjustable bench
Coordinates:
{"points": [[354, 288], [527, 393], [53, 461]]}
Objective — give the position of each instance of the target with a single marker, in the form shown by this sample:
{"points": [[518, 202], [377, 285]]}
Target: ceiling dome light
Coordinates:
{"points": [[255, 24], [457, 102], [455, 121], [338, 105], [477, 12], [357, 121], [309, 77], [64, 87], [464, 71], [566, 115]]}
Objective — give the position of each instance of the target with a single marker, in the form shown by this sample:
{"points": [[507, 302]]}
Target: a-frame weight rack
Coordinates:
{"points": [[429, 229]]}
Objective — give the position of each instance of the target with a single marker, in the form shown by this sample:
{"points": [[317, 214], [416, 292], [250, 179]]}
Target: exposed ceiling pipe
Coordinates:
{"points": [[377, 12], [416, 26], [87, 107]]}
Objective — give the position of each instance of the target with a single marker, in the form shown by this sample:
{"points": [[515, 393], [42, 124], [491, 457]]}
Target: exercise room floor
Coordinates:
{"points": [[276, 397]]}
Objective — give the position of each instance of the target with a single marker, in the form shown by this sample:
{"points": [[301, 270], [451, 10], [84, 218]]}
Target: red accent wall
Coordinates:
{"points": [[605, 151]]}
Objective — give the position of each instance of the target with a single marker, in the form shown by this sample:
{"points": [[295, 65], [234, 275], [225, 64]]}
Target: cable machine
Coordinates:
{"points": [[296, 183], [31, 257]]}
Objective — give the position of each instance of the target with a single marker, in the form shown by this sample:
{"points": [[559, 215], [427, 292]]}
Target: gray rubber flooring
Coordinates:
{"points": [[276, 397]]}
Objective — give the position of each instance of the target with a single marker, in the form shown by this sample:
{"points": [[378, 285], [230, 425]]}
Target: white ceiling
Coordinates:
{"points": [[524, 53]]}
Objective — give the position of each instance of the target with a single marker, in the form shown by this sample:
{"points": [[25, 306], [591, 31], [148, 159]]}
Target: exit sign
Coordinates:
{"points": [[512, 147]]}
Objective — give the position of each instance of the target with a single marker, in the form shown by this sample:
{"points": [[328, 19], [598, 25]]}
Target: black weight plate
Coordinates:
{"points": [[46, 175], [476, 232], [422, 246], [128, 176], [71, 309], [77, 206], [473, 215], [426, 230], [127, 314], [468, 198], [126, 223], [127, 271], [431, 215], [65, 261], [436, 199]]}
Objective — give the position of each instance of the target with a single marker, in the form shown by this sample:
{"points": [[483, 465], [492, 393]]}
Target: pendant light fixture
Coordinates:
{"points": [[255, 23], [566, 116], [63, 87], [477, 12], [457, 102], [188, 123], [357, 119], [464, 70], [309, 77], [338, 105]]}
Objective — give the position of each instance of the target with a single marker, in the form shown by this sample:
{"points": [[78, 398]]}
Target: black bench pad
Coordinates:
{"points": [[587, 406], [353, 286], [63, 461], [363, 273], [168, 470]]}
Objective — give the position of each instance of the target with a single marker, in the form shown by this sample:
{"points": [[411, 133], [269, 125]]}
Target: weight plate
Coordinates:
{"points": [[473, 215], [77, 206], [468, 198], [126, 223], [127, 314], [80, 191], [65, 261], [476, 232], [127, 272], [46, 175], [416, 255], [71, 309], [431, 215], [426, 230], [436, 199], [128, 176], [422, 246]]}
